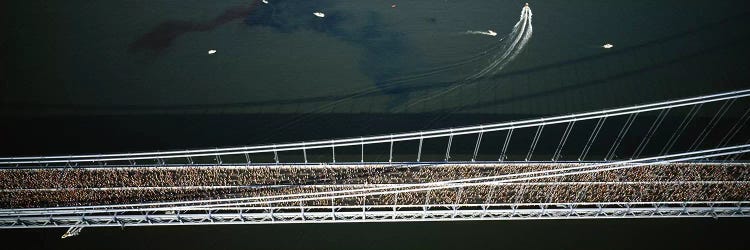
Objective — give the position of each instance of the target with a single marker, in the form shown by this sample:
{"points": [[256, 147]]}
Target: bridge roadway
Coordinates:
{"points": [[710, 178], [21, 188], [292, 193]]}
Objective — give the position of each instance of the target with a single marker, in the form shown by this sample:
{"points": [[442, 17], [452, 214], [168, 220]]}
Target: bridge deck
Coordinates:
{"points": [[21, 188]]}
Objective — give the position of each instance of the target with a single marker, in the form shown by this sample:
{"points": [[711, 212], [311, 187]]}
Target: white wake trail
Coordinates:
{"points": [[476, 32], [520, 45], [510, 46], [503, 57], [520, 35]]}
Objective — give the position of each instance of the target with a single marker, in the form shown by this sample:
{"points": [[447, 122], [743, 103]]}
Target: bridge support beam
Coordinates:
{"points": [[393, 213]]}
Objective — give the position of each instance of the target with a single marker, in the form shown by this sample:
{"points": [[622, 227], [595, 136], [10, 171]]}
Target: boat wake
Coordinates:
{"points": [[486, 33], [510, 46]]}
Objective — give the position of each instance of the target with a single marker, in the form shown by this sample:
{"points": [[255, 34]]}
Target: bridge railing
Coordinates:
{"points": [[208, 204], [606, 129], [389, 213], [705, 128]]}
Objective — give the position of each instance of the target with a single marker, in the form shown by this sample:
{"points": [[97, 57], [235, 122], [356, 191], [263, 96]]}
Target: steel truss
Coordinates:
{"points": [[160, 158], [261, 210], [388, 213]]}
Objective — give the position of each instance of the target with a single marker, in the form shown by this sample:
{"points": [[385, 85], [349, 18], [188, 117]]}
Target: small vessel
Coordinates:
{"points": [[607, 46], [211, 52], [319, 14], [491, 33], [265, 1]]}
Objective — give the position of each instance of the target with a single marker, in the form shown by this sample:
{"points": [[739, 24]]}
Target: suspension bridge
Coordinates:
{"points": [[677, 158]]}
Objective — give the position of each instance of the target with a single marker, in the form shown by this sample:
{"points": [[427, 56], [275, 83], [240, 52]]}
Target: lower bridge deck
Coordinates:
{"points": [[324, 193], [375, 184]]}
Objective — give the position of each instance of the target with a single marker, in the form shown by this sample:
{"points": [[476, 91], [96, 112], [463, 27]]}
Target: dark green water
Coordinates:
{"points": [[556, 234], [112, 76]]}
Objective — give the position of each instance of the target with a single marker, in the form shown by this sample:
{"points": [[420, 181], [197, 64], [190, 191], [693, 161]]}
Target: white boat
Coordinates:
{"points": [[607, 46], [491, 33], [211, 52], [265, 1], [319, 14]]}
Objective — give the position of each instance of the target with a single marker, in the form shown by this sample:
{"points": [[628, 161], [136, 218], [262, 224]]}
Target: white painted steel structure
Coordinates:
{"points": [[159, 157], [385, 213], [273, 209], [93, 215]]}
